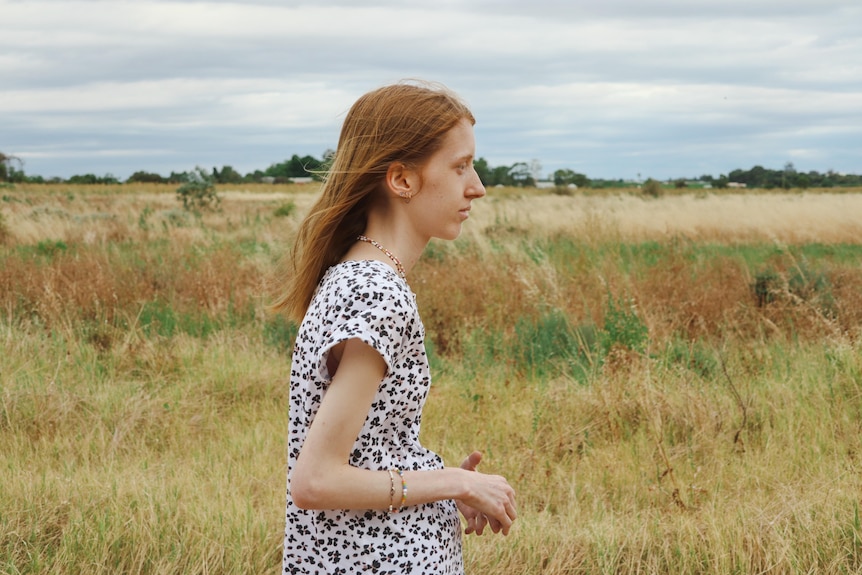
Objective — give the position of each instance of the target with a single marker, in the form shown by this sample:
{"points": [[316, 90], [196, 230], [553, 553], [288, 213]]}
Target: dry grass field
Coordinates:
{"points": [[672, 385]]}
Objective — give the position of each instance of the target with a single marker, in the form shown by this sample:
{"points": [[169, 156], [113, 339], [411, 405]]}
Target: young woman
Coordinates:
{"points": [[363, 494]]}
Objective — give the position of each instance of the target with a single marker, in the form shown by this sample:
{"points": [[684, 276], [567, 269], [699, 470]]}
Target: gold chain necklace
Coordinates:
{"points": [[389, 254]]}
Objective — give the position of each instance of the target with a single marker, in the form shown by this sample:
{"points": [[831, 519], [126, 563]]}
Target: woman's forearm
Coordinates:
{"points": [[347, 487]]}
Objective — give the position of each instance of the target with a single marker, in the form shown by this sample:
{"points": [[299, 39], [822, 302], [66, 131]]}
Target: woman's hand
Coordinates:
{"points": [[490, 500]]}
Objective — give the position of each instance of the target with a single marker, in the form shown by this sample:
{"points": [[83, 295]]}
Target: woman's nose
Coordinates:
{"points": [[477, 189]]}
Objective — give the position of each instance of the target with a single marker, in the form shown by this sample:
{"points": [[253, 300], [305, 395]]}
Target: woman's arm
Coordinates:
{"points": [[324, 479]]}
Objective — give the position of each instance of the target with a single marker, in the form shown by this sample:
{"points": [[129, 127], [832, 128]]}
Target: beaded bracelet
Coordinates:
{"points": [[400, 473], [392, 492], [403, 490]]}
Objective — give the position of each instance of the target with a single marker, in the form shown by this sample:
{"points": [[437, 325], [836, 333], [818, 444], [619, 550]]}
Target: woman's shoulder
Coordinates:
{"points": [[367, 289], [358, 272], [365, 279]]}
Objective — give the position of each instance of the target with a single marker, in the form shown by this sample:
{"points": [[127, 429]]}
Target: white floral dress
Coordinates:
{"points": [[369, 301]]}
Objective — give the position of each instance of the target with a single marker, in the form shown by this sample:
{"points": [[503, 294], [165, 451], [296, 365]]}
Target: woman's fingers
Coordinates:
{"points": [[481, 522], [471, 461], [493, 501], [471, 526]]}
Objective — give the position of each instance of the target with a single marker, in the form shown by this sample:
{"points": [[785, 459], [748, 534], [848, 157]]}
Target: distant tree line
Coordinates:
{"points": [[519, 174], [282, 172], [757, 177], [760, 177]]}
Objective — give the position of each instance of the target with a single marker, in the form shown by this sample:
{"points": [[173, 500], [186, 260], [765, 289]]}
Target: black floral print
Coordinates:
{"points": [[367, 300]]}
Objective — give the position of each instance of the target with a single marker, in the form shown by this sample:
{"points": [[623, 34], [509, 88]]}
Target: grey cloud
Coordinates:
{"points": [[611, 88]]}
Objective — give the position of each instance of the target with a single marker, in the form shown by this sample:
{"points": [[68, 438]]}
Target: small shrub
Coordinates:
{"points": [[694, 356], [767, 284], [652, 188], [808, 283], [157, 317], [812, 286], [552, 343], [199, 192], [50, 248], [285, 210], [198, 196], [540, 341], [623, 328]]}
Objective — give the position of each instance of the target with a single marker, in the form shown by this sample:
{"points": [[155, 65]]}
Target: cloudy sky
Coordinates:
{"points": [[611, 88]]}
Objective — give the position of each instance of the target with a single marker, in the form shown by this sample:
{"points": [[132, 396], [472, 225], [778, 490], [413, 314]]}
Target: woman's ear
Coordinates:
{"points": [[402, 181]]}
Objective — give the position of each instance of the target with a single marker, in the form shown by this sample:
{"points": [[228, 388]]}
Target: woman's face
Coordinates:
{"points": [[449, 185]]}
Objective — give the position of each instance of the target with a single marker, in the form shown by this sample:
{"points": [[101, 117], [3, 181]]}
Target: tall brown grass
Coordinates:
{"points": [[143, 388], [820, 216]]}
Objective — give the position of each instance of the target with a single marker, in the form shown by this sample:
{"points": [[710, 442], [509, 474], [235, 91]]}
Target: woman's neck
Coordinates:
{"points": [[398, 238]]}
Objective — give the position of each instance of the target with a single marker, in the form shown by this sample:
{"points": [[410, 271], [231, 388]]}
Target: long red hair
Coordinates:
{"points": [[404, 122]]}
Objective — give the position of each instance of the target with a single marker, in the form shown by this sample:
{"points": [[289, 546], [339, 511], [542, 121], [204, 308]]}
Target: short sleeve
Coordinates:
{"points": [[371, 308]]}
